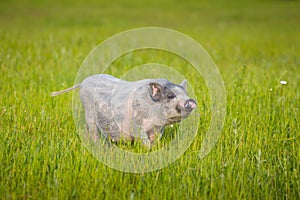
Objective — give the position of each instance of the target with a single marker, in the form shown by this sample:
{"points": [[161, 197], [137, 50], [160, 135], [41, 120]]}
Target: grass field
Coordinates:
{"points": [[255, 44]]}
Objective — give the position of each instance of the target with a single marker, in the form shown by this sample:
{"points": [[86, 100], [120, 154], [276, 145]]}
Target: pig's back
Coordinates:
{"points": [[100, 80]]}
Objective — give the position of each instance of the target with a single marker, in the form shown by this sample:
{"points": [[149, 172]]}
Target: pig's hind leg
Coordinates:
{"points": [[92, 130]]}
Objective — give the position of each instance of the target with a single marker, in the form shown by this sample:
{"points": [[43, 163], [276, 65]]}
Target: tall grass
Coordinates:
{"points": [[254, 43]]}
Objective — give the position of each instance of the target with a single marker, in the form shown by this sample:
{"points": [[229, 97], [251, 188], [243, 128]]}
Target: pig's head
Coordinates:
{"points": [[173, 100]]}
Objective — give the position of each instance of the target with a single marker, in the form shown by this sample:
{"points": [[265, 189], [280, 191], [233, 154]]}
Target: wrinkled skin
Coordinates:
{"points": [[129, 111]]}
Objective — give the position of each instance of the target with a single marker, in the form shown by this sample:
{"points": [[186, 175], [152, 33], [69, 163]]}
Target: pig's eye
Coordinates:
{"points": [[171, 96]]}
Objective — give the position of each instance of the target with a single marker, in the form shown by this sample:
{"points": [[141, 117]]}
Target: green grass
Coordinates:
{"points": [[255, 45]]}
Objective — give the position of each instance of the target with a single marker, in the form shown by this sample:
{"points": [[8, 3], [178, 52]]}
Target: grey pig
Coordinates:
{"points": [[130, 111]]}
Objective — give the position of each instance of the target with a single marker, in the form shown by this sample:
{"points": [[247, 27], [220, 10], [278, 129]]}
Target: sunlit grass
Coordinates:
{"points": [[255, 45]]}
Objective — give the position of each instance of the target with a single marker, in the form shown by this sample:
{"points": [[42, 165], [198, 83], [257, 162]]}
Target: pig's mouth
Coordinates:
{"points": [[178, 118], [175, 119], [185, 113]]}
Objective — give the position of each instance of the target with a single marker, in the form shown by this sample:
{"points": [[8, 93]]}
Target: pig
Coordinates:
{"points": [[130, 111]]}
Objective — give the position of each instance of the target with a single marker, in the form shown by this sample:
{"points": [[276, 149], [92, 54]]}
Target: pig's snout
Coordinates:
{"points": [[190, 104]]}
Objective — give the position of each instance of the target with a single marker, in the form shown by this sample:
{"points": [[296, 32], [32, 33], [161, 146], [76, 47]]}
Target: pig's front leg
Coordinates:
{"points": [[145, 140], [152, 135]]}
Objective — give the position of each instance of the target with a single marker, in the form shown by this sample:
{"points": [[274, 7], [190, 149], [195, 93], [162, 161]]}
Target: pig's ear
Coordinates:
{"points": [[155, 91], [184, 84]]}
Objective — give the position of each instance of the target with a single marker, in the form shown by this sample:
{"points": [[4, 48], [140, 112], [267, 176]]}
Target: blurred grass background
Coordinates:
{"points": [[255, 44]]}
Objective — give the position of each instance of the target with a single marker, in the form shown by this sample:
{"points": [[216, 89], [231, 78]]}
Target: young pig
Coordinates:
{"points": [[123, 110]]}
